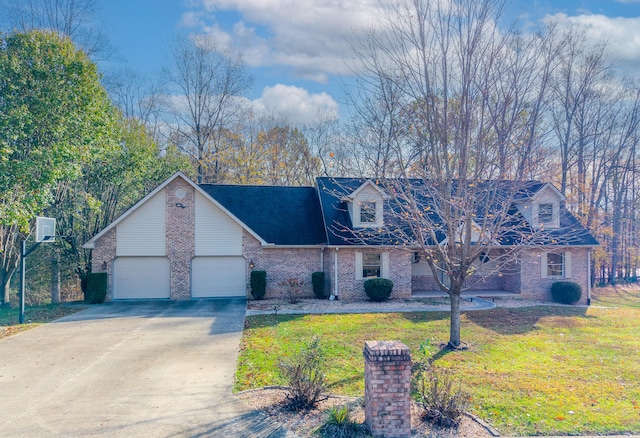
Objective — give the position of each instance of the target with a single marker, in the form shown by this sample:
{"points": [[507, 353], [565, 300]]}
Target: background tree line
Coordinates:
{"points": [[558, 109]]}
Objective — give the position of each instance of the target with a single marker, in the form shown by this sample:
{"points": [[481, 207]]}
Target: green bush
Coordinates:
{"points": [[566, 292], [378, 289], [317, 281], [258, 284], [96, 287], [304, 374]]}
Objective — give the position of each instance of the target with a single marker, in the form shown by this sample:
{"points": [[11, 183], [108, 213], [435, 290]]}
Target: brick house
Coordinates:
{"points": [[185, 240]]}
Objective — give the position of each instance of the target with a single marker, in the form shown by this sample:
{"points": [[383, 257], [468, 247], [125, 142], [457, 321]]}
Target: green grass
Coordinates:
{"points": [[531, 371], [33, 317], [619, 296]]}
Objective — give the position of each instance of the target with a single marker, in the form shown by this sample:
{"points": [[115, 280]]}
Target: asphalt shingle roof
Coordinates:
{"points": [[278, 214]]}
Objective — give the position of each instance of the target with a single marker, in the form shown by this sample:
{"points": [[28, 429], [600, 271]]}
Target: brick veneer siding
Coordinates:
{"points": [[180, 237], [282, 264], [387, 388], [350, 288], [102, 256], [532, 285]]}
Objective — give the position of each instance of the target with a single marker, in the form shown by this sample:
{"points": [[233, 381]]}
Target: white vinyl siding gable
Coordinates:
{"points": [[216, 233], [144, 232], [369, 198]]}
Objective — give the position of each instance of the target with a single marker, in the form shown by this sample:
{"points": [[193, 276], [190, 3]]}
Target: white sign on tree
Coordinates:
{"points": [[45, 229]]}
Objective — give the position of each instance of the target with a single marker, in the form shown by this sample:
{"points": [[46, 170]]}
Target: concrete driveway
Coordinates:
{"points": [[143, 369]]}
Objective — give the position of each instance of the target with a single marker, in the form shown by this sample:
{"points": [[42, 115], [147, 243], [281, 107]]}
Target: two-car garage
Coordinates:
{"points": [[150, 277], [177, 244]]}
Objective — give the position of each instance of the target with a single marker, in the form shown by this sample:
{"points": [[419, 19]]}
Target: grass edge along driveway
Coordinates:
{"points": [[542, 370]]}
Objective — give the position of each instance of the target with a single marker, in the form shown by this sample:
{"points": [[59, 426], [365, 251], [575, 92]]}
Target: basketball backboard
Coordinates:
{"points": [[45, 229]]}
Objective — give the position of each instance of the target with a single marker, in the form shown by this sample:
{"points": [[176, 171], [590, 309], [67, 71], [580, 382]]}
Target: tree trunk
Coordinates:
{"points": [[5, 283], [454, 328]]}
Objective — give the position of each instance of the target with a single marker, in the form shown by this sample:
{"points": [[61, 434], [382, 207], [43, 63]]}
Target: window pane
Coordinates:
{"points": [[555, 265], [370, 265], [367, 212], [545, 213]]}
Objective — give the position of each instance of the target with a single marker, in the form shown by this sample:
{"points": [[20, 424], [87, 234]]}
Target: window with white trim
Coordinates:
{"points": [[368, 212], [371, 265], [555, 265], [545, 214]]}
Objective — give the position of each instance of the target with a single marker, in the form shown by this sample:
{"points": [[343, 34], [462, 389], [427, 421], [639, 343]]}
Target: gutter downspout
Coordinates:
{"points": [[335, 274]]}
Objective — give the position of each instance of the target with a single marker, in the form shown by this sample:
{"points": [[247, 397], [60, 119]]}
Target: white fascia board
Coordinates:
{"points": [[90, 244], [539, 193], [368, 183]]}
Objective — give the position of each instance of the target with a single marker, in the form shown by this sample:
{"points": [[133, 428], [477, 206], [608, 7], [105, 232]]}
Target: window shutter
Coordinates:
{"points": [[358, 266], [568, 268], [384, 265], [543, 265]]}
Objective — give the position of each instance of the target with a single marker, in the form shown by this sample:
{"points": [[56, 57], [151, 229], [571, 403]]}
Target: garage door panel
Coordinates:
{"points": [[215, 277], [141, 278]]}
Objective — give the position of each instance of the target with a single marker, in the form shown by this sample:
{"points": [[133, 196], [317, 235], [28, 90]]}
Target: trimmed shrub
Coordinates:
{"points": [[96, 287], [443, 403], [566, 292], [317, 282], [378, 289], [258, 284], [304, 374]]}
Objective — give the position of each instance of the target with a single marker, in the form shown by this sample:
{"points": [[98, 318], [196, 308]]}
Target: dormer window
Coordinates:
{"points": [[368, 212], [366, 205], [545, 214]]}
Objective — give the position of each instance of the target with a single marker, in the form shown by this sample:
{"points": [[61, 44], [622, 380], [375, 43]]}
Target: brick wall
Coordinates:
{"points": [[350, 288], [282, 264], [387, 392], [102, 256], [532, 285], [180, 237]]}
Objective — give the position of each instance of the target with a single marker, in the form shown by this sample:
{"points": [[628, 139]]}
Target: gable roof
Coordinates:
{"points": [[281, 215], [89, 244]]}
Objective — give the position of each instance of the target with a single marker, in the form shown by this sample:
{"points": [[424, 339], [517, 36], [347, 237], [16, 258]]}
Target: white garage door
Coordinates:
{"points": [[141, 277], [213, 277]]}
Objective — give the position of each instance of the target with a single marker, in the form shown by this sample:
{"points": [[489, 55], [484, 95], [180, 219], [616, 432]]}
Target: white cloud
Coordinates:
{"points": [[295, 105], [311, 36], [621, 34]]}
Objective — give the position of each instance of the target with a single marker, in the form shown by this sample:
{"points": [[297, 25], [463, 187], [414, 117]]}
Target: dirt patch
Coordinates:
{"points": [[271, 401]]}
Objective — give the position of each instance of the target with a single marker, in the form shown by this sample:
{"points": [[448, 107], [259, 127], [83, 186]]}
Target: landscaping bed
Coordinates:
{"points": [[270, 401], [535, 370]]}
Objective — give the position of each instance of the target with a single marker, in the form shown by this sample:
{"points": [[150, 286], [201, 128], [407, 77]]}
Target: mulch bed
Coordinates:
{"points": [[271, 401]]}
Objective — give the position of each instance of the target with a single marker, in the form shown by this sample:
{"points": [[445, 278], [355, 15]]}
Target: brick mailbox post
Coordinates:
{"points": [[387, 391]]}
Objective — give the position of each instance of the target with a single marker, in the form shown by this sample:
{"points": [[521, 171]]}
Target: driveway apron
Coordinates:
{"points": [[156, 369]]}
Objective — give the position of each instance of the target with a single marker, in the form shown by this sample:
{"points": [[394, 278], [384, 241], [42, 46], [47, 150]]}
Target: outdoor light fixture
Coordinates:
{"points": [[251, 265], [180, 205]]}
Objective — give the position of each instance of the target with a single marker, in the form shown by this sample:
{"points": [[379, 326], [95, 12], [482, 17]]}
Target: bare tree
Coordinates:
{"points": [[209, 81], [462, 101], [73, 18]]}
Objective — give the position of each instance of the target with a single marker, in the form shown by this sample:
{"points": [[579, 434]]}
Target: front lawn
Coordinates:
{"points": [[531, 371], [33, 317]]}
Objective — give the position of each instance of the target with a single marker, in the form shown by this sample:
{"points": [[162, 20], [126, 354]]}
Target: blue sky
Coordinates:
{"points": [[295, 48]]}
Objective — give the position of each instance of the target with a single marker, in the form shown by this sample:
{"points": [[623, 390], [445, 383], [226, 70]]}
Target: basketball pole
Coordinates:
{"points": [[23, 255]]}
